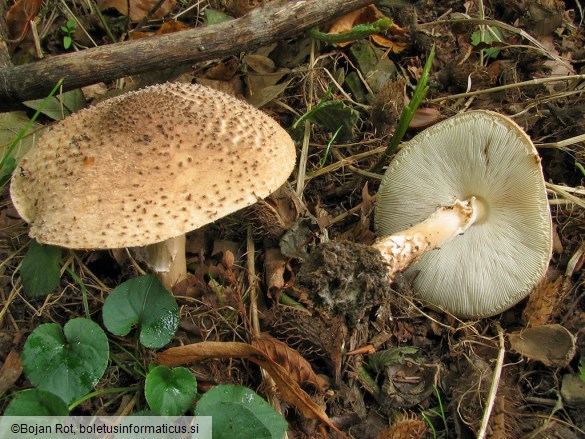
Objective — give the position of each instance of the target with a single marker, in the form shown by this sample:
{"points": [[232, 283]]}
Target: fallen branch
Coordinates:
{"points": [[274, 21]]}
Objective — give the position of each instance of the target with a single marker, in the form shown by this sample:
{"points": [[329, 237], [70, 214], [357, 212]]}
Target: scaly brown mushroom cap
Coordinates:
{"points": [[147, 166]]}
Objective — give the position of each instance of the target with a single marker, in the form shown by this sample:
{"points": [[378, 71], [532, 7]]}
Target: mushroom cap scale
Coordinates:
{"points": [[147, 166], [499, 259]]}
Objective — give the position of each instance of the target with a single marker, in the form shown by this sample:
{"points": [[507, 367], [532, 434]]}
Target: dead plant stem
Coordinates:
{"points": [[253, 288], [535, 81], [563, 192], [495, 384], [562, 143], [504, 26], [307, 133], [481, 12], [344, 162], [6, 302], [252, 285]]}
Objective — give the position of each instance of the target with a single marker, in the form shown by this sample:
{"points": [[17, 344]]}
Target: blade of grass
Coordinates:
{"points": [[308, 114], [79, 281], [102, 392], [329, 146], [406, 115], [430, 424]]}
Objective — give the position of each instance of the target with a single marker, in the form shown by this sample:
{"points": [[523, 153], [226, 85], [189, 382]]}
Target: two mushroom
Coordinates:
{"points": [[149, 166]]}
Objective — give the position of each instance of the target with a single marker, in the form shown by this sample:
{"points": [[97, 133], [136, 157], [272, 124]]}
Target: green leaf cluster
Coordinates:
{"points": [[487, 37], [68, 29]]}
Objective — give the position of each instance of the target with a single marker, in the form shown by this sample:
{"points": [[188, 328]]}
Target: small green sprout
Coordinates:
{"points": [[488, 37], [68, 29]]}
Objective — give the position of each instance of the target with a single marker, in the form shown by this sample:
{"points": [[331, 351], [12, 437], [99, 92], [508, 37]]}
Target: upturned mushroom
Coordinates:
{"points": [[146, 167], [466, 200]]}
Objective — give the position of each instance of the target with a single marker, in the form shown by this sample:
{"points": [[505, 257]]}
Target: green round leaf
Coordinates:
{"points": [[240, 412], [145, 302], [35, 402], [66, 362], [41, 269], [170, 392]]}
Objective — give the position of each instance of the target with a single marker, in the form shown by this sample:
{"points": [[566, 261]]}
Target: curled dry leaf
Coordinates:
{"points": [[19, 16], [137, 9], [10, 371], [274, 215], [277, 270], [289, 389], [368, 15], [424, 117], [553, 345], [167, 27], [299, 369], [555, 67]]}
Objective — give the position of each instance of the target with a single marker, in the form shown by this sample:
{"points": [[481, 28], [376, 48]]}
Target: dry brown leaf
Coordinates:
{"points": [[11, 370], [553, 345], [394, 46], [424, 117], [368, 15], [223, 70], [299, 369], [277, 270], [289, 390], [167, 27], [260, 63], [362, 231], [137, 9], [556, 67], [19, 16], [274, 215], [346, 22]]}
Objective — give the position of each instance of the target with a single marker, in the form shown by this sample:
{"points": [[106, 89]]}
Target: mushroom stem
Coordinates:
{"points": [[167, 259], [403, 248]]}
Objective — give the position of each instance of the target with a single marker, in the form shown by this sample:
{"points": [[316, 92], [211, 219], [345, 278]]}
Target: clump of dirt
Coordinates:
{"points": [[346, 278]]}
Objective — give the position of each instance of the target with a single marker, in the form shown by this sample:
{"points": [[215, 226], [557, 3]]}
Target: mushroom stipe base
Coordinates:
{"points": [[400, 250]]}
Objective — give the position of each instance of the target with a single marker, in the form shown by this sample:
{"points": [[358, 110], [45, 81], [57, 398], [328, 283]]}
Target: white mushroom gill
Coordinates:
{"points": [[499, 258], [403, 248]]}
